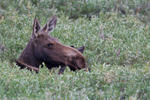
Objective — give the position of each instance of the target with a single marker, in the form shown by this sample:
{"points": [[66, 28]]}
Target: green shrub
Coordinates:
{"points": [[79, 8]]}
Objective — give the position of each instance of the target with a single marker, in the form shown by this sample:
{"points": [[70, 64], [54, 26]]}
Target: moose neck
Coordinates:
{"points": [[28, 57]]}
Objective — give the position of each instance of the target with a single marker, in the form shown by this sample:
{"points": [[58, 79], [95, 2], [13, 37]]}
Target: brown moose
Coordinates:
{"points": [[44, 48]]}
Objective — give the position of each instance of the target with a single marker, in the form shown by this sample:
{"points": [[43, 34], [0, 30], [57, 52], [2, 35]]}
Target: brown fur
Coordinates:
{"points": [[44, 48]]}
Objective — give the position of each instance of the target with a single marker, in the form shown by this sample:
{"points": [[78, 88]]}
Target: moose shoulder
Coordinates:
{"points": [[44, 48]]}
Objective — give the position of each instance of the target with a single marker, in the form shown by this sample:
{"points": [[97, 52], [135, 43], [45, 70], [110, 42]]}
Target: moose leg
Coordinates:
{"points": [[62, 69], [23, 65]]}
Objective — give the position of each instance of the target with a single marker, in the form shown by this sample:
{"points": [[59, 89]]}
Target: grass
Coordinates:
{"points": [[117, 51]]}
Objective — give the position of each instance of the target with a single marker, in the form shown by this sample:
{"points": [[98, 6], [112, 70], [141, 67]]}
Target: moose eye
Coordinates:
{"points": [[49, 44]]}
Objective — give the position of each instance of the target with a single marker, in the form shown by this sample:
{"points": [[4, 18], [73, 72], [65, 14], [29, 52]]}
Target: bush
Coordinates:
{"points": [[79, 8]]}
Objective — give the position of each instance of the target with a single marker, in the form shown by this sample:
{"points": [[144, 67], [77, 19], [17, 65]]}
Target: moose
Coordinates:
{"points": [[44, 48]]}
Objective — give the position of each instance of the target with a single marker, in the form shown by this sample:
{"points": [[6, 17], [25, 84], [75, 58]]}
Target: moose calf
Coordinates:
{"points": [[44, 48]]}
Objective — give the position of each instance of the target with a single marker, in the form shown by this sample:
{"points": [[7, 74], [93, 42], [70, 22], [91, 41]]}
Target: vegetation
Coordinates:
{"points": [[79, 8], [117, 50]]}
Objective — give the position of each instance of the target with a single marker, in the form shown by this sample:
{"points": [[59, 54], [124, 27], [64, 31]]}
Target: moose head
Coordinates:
{"points": [[44, 48]]}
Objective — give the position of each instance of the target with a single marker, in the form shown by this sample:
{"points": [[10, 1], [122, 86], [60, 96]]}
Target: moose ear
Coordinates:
{"points": [[81, 49], [36, 28], [50, 25], [72, 46]]}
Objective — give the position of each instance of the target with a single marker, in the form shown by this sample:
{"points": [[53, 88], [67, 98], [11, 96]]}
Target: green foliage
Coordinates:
{"points": [[117, 50], [105, 82], [79, 8]]}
